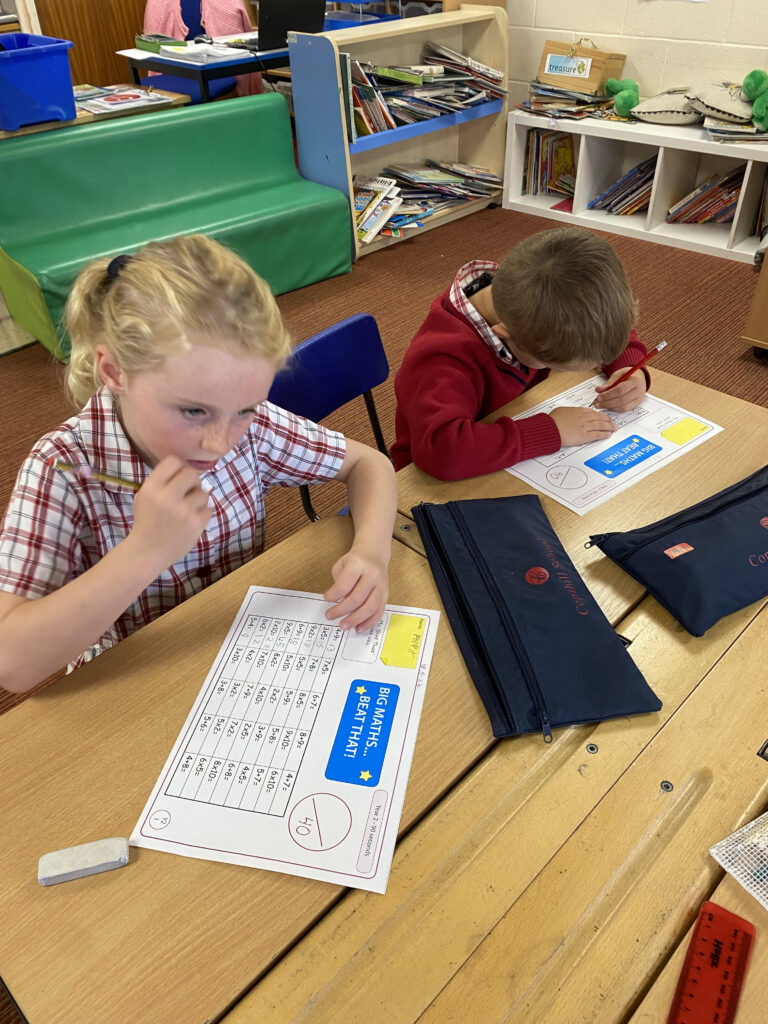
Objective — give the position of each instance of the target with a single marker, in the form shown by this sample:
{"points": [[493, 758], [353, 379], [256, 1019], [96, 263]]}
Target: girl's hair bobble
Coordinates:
{"points": [[116, 265]]}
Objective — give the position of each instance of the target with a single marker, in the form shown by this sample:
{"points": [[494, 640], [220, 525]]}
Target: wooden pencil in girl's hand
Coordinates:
{"points": [[637, 366], [85, 472]]}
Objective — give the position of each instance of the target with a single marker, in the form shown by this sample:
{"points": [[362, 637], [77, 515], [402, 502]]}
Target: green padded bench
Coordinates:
{"points": [[222, 169]]}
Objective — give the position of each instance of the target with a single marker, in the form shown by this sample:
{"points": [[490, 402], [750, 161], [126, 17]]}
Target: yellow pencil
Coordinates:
{"points": [[85, 472]]}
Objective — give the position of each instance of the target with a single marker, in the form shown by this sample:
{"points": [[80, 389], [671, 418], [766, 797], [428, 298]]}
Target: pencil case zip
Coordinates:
{"points": [[447, 581], [528, 672], [703, 510]]}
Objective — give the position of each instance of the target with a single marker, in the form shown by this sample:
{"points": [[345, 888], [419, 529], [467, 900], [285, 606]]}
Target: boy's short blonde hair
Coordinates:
{"points": [[163, 299], [564, 297]]}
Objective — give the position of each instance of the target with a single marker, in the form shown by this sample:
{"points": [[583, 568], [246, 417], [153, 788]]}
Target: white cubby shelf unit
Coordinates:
{"points": [[604, 150], [473, 136]]}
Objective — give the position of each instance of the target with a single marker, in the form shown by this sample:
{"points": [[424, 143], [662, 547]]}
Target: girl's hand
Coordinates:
{"points": [[170, 511], [625, 396], [359, 591]]}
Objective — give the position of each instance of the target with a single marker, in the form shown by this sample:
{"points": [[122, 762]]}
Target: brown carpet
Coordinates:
{"points": [[697, 303]]}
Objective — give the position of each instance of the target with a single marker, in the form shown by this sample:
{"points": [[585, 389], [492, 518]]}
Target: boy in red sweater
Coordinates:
{"points": [[560, 300]]}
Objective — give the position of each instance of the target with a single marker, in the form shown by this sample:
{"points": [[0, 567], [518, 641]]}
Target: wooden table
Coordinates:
{"points": [[559, 883], [726, 458], [532, 882], [171, 938], [174, 99]]}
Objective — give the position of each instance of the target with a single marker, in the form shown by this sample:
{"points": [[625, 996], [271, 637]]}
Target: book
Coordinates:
{"points": [[122, 99], [204, 53], [432, 52], [714, 200], [377, 218], [395, 74], [368, 192], [346, 92], [87, 92], [630, 193]]}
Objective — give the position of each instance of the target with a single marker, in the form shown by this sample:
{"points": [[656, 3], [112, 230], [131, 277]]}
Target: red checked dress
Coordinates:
{"points": [[58, 525]]}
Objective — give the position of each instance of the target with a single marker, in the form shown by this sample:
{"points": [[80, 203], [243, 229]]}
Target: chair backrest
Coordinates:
{"points": [[190, 15], [326, 371]]}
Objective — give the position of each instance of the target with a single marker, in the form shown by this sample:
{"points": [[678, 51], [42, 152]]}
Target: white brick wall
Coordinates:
{"points": [[667, 42]]}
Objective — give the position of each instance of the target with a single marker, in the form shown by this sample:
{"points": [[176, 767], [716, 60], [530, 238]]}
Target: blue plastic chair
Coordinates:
{"points": [[341, 363], [190, 13]]}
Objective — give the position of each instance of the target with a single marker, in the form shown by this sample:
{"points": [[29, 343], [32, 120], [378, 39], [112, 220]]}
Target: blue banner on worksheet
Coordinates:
{"points": [[357, 755], [621, 457]]}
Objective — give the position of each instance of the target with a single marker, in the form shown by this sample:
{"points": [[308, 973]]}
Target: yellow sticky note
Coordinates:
{"points": [[684, 430], [403, 640]]}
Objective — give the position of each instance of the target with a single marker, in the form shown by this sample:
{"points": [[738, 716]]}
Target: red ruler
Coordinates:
{"points": [[713, 972]]}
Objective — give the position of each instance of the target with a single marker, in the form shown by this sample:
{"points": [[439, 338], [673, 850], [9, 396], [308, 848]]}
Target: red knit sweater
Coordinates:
{"points": [[449, 380]]}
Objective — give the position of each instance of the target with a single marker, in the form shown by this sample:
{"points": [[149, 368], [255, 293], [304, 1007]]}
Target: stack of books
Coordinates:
{"points": [[100, 99], [727, 131], [405, 195], [556, 102], [631, 193], [379, 97], [713, 201], [549, 163]]}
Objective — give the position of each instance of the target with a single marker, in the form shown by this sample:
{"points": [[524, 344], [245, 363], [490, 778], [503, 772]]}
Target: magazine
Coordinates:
{"points": [[117, 98], [368, 192]]}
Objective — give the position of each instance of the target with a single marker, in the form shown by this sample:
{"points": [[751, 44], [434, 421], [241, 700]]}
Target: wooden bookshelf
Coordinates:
{"points": [[475, 136], [604, 150]]}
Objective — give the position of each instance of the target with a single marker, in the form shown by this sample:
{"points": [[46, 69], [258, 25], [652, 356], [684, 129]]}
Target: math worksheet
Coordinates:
{"points": [[646, 438], [296, 753]]}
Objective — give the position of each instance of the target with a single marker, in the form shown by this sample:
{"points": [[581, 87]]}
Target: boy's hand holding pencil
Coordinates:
{"points": [[625, 389]]}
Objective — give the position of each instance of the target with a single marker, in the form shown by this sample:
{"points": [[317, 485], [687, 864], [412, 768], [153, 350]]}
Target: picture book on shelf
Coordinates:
{"points": [[549, 163], [631, 193], [368, 193], [377, 218], [713, 201]]}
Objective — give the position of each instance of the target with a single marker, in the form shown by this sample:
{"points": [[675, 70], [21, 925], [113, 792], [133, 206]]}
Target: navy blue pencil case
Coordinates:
{"points": [[706, 561], [539, 649]]}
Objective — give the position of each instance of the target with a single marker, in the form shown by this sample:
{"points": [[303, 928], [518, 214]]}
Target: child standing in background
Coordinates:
{"points": [[174, 350], [560, 300]]}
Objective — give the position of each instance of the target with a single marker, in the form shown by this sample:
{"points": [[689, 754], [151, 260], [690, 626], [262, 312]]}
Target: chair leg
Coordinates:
{"points": [[373, 416], [306, 501]]}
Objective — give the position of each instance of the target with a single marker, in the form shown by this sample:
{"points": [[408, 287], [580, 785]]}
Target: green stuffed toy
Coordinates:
{"points": [[755, 88], [625, 94]]}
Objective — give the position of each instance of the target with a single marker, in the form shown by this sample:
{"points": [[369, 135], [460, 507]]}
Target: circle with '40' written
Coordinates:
{"points": [[319, 822], [569, 478]]}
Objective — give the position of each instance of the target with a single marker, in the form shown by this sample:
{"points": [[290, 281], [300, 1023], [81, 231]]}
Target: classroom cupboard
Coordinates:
{"points": [[604, 150], [473, 136]]}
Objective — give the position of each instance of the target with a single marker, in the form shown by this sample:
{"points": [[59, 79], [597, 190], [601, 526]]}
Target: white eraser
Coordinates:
{"points": [[79, 861]]}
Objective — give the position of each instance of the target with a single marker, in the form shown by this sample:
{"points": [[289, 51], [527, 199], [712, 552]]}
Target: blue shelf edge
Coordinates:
{"points": [[409, 131]]}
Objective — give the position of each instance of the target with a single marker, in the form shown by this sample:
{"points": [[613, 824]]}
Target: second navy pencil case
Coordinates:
{"points": [[539, 649], [706, 561]]}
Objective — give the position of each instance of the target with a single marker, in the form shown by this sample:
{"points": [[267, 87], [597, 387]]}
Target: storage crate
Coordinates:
{"points": [[584, 69], [35, 80]]}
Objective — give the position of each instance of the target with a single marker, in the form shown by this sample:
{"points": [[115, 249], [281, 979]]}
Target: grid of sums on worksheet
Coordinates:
{"points": [[296, 754]]}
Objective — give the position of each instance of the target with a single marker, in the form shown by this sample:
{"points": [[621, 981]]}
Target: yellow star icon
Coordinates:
{"points": [[360, 689], [365, 776], [609, 472]]}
